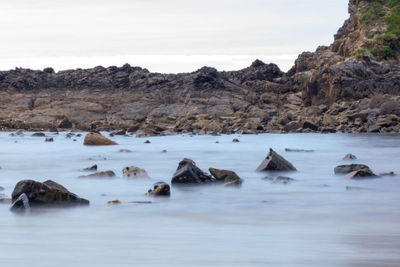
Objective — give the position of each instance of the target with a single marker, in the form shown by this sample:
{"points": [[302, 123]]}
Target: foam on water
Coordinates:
{"points": [[314, 221]]}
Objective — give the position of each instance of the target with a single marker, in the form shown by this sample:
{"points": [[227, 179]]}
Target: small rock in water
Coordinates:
{"points": [[359, 174], [283, 180], [298, 150], [275, 162], [160, 189], [164, 151], [225, 176], [188, 173], [21, 204], [235, 140], [104, 174], [95, 139], [74, 140], [114, 202], [349, 157], [38, 134], [69, 135], [217, 142], [93, 168], [49, 139], [118, 132], [20, 132], [134, 172], [354, 171], [147, 142], [348, 188], [125, 151]]}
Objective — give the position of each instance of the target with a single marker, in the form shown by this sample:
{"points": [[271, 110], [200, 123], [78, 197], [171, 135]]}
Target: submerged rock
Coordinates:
{"points": [[134, 172], [38, 135], [125, 151], [49, 139], [387, 174], [92, 168], [104, 174], [114, 202], [283, 180], [275, 162], [48, 192], [160, 189], [21, 204], [235, 140], [345, 169], [95, 139], [298, 150], [188, 173], [147, 142], [349, 157], [359, 174], [226, 176]]}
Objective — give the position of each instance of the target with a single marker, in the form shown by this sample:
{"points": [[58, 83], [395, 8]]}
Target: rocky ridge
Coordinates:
{"points": [[344, 87]]}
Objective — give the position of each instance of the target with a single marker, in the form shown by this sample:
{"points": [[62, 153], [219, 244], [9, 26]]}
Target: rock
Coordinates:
{"points": [[49, 139], [69, 135], [275, 162], [235, 140], [95, 139], [38, 135], [234, 183], [310, 125], [387, 174], [1, 188], [21, 204], [147, 142], [225, 176], [188, 173], [104, 174], [92, 168], [349, 157], [345, 169], [134, 172], [20, 132], [65, 124], [283, 180], [359, 174], [298, 150], [348, 188], [114, 202], [125, 151], [48, 192], [164, 151], [160, 189], [118, 132]]}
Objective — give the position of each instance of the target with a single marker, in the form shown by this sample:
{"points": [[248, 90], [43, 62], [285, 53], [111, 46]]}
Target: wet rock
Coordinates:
{"points": [[164, 151], [49, 139], [48, 192], [125, 151], [160, 189], [234, 183], [65, 124], [235, 140], [114, 202], [134, 172], [20, 132], [225, 176], [387, 174], [69, 135], [283, 180], [147, 142], [298, 150], [118, 132], [275, 162], [21, 204], [310, 125], [104, 174], [345, 169], [360, 174], [92, 168], [188, 173], [350, 157], [38, 135], [95, 139]]}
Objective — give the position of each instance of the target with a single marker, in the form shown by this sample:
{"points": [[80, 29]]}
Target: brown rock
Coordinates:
{"points": [[134, 172], [94, 139]]}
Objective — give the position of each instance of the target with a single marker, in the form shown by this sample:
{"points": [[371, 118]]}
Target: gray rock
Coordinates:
{"points": [[103, 174], [345, 169], [92, 168], [21, 204], [188, 173], [349, 157], [225, 176], [275, 162]]}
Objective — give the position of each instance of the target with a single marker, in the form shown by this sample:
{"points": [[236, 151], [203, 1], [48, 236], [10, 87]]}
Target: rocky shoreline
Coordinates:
{"points": [[335, 89]]}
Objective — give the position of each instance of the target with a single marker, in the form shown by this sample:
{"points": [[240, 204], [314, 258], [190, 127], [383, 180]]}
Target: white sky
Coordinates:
{"points": [[163, 35]]}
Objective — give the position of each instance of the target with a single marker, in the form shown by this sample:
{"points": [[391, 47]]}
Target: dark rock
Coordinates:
{"points": [[118, 132], [164, 151], [104, 174], [160, 189], [147, 142], [298, 150], [349, 157], [65, 124], [188, 173], [275, 162], [310, 125], [134, 172], [125, 151], [95, 139], [235, 140], [49, 139], [345, 169], [283, 180], [48, 192], [21, 204], [39, 135], [93, 168], [69, 135], [225, 176]]}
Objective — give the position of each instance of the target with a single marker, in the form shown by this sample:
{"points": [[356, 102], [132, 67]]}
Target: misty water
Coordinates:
{"points": [[314, 221]]}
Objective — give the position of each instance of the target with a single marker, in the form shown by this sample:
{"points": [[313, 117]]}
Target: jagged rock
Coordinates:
{"points": [[92, 168], [134, 172], [349, 157], [298, 150], [38, 135], [310, 125], [225, 176], [48, 192], [95, 139], [275, 162], [49, 139], [345, 169], [160, 189], [188, 173], [104, 174]]}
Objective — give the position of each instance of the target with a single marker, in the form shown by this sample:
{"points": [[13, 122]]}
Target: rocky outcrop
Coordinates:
{"points": [[160, 189], [225, 176], [46, 193], [188, 173], [95, 139], [275, 162]]}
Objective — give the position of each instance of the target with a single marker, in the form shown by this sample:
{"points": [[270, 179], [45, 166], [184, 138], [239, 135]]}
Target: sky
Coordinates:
{"points": [[168, 36]]}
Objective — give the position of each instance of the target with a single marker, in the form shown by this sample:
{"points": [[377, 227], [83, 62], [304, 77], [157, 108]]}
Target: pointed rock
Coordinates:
{"points": [[188, 173], [95, 139], [275, 162]]}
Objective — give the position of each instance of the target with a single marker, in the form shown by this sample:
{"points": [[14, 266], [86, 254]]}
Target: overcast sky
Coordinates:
{"points": [[163, 35]]}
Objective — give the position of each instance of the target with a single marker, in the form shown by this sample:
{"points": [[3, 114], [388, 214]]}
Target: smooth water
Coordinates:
{"points": [[314, 221]]}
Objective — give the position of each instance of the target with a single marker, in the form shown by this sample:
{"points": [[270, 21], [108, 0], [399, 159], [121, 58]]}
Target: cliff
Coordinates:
{"points": [[352, 85]]}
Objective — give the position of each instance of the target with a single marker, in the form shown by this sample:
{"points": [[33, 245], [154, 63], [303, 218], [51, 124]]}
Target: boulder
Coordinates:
{"points": [[160, 189], [48, 192], [345, 169], [134, 172], [95, 139], [104, 174], [275, 162], [92, 168], [147, 142], [310, 125], [188, 173], [38, 135], [349, 157], [225, 176]]}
